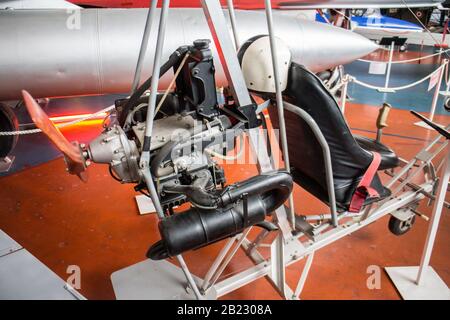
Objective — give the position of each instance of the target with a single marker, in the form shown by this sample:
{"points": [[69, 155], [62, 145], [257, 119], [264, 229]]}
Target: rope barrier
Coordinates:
{"points": [[408, 60], [370, 86], [108, 109], [67, 124]]}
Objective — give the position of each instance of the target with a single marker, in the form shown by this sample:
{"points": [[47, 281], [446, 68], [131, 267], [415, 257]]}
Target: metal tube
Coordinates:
{"points": [[379, 133], [326, 216], [144, 45], [145, 155], [241, 279], [435, 218], [326, 153], [279, 98], [436, 140], [232, 70], [217, 262], [229, 257], [419, 169], [233, 22], [189, 277], [277, 266], [263, 268], [412, 162], [304, 276], [155, 73]]}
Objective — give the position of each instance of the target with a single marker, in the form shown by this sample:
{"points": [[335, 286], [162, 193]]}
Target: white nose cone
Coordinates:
{"points": [[325, 46], [317, 46]]}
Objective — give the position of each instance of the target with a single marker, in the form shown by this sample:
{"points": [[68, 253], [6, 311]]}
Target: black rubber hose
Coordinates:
{"points": [[274, 188]]}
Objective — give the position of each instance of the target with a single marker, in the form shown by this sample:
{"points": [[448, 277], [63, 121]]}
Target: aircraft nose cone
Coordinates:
{"points": [[325, 46], [317, 46]]}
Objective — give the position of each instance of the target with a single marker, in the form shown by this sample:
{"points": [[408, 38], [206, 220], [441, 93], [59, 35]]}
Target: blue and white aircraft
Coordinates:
{"points": [[374, 20]]}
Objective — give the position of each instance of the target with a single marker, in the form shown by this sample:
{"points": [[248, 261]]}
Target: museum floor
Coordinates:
{"points": [[63, 221]]}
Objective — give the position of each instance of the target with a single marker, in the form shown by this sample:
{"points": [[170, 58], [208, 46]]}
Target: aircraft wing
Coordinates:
{"points": [[278, 4], [34, 4]]}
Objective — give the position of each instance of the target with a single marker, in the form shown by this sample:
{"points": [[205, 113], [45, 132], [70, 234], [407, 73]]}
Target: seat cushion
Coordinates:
{"points": [[349, 160], [388, 157]]}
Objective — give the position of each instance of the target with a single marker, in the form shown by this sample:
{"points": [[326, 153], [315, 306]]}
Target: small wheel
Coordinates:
{"points": [[400, 227]]}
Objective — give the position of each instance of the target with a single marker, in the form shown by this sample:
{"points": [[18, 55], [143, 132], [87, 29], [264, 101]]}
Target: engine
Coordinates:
{"points": [[189, 126]]}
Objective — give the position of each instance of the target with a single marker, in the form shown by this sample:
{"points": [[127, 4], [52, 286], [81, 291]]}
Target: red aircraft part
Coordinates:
{"points": [[238, 4]]}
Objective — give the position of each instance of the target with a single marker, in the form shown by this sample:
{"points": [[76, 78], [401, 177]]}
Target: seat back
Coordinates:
{"points": [[349, 160]]}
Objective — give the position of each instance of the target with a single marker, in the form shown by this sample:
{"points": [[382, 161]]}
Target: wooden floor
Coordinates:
{"points": [[96, 226], [383, 55]]}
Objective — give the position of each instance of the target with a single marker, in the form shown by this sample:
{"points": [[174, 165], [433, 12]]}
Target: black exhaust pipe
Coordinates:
{"points": [[238, 207]]}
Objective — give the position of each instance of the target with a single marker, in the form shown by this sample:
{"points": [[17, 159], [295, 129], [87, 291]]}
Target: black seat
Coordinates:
{"points": [[388, 157], [350, 158]]}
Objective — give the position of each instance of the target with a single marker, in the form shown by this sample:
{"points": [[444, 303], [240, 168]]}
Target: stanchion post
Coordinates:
{"points": [[388, 72], [435, 217], [436, 91]]}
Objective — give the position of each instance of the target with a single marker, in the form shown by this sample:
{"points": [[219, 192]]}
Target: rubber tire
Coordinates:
{"points": [[399, 227], [8, 122]]}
